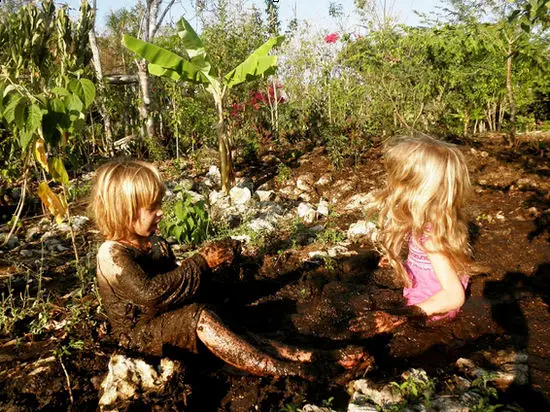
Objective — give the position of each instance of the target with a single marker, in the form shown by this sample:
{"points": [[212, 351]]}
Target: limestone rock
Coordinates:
{"points": [[362, 228], [323, 208], [306, 212], [305, 183], [240, 195], [129, 377], [265, 195], [360, 201]]}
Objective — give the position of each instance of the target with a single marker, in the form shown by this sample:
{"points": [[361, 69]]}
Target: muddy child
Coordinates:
{"points": [[150, 299], [422, 206]]}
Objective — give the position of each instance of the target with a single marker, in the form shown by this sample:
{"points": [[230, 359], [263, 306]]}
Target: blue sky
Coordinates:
{"points": [[315, 11]]}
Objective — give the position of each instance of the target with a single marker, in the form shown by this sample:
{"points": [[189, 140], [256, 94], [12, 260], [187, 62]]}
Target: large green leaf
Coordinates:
{"points": [[15, 101], [84, 89], [25, 138], [34, 118], [193, 46], [154, 54], [165, 63], [258, 64]]}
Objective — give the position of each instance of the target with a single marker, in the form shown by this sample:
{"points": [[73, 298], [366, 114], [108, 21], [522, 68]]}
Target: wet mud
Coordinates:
{"points": [[286, 298]]}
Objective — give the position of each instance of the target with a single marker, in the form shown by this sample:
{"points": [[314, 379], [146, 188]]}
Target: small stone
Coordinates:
{"points": [[360, 201], [243, 182], [290, 192], [323, 208], [240, 195], [12, 242], [260, 225], [33, 233], [362, 228], [484, 154], [305, 183], [215, 196], [306, 197], [265, 195], [317, 254], [214, 176], [26, 253], [306, 212], [323, 180]]}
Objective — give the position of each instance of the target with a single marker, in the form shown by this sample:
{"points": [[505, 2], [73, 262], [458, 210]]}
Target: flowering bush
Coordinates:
{"points": [[332, 38]]}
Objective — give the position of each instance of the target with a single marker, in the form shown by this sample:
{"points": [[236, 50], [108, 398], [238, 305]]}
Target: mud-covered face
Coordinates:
{"points": [[147, 220]]}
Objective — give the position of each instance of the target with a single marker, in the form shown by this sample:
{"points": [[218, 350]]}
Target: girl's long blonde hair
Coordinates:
{"points": [[121, 188], [427, 185]]}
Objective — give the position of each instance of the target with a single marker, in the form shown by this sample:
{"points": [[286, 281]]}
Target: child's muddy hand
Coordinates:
{"points": [[373, 323], [220, 252], [384, 322]]}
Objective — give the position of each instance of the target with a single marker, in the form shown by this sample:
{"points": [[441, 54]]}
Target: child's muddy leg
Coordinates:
{"points": [[236, 351], [348, 357]]}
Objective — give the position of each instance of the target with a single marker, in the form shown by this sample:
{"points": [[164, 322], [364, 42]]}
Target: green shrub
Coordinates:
{"points": [[185, 221]]}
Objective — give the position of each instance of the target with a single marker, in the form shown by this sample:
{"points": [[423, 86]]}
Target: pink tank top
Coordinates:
{"points": [[424, 282]]}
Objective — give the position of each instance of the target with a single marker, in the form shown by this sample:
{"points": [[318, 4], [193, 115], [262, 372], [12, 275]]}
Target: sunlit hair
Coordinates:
{"points": [[427, 185], [120, 189]]}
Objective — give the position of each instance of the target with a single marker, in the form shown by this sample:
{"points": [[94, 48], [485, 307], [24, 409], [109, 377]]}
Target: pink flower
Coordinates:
{"points": [[332, 38]]}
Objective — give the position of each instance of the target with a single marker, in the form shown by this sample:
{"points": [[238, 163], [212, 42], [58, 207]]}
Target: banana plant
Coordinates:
{"points": [[198, 69]]}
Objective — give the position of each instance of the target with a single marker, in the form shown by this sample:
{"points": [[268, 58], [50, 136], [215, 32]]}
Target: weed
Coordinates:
{"points": [[330, 236], [482, 385], [417, 387], [77, 191], [284, 173]]}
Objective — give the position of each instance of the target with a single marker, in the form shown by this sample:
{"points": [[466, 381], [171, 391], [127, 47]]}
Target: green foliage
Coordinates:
{"points": [[330, 236], [284, 173], [417, 387], [185, 221]]}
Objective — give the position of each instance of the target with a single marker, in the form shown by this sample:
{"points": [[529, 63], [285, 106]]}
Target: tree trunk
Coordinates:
{"points": [[224, 145], [511, 96], [101, 86], [150, 23]]}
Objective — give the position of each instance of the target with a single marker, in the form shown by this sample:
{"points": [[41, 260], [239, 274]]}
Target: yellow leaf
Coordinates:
{"points": [[57, 206], [40, 153], [57, 170]]}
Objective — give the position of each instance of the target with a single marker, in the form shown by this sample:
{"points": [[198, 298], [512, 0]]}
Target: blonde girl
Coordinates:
{"points": [[422, 206], [150, 299]]}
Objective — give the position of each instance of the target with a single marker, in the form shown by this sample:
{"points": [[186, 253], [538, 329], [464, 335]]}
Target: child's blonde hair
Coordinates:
{"points": [[120, 189], [427, 185]]}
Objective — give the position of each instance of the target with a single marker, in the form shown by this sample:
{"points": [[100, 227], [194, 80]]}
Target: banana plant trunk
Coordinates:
{"points": [[224, 145]]}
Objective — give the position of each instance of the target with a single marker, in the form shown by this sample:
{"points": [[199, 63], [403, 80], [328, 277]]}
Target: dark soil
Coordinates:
{"points": [[277, 294]]}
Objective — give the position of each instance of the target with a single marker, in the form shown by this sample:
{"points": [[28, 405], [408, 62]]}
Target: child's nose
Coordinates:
{"points": [[159, 213]]}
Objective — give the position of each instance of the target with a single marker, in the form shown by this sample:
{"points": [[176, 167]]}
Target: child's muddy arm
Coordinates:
{"points": [[120, 268]]}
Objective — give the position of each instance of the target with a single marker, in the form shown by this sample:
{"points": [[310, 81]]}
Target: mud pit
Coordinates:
{"points": [[283, 297]]}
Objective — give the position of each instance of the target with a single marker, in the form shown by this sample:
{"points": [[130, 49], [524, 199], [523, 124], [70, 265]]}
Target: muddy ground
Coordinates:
{"points": [[275, 292]]}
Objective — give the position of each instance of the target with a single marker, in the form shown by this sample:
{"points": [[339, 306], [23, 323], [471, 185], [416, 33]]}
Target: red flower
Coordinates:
{"points": [[332, 38]]}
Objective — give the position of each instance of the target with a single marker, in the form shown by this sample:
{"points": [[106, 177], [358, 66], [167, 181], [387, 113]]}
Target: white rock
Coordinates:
{"points": [[265, 195], [195, 197], [305, 183], [260, 225], [381, 397], [241, 238], [317, 254], [290, 192], [215, 196], [362, 228], [306, 197], [306, 212], [323, 208], [315, 408], [323, 180], [240, 195], [360, 201], [79, 222], [26, 253], [339, 250], [128, 378], [214, 175]]}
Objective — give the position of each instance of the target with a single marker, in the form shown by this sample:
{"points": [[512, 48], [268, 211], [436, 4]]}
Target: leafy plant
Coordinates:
{"points": [[185, 221], [417, 387], [482, 385], [284, 173], [198, 69], [330, 236]]}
